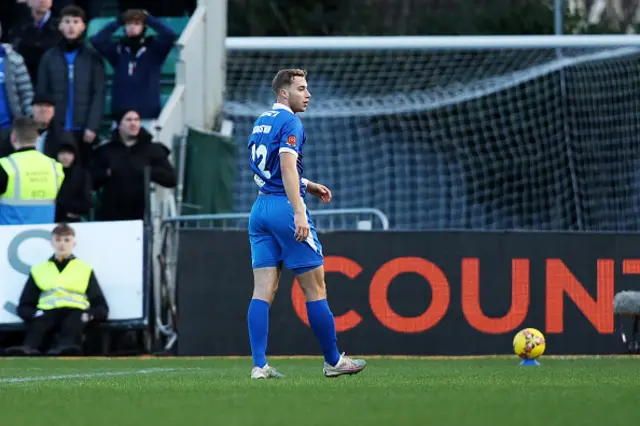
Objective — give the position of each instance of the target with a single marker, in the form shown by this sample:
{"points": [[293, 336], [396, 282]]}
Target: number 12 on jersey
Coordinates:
{"points": [[260, 152]]}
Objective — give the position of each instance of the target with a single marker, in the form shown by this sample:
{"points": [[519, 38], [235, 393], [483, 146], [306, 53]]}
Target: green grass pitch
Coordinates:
{"points": [[391, 391]]}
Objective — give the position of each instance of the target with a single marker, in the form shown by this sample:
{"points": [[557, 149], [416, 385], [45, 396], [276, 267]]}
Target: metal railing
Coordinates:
{"points": [[166, 252], [361, 219]]}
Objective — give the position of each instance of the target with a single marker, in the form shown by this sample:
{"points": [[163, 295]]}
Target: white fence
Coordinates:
{"points": [[200, 74]]}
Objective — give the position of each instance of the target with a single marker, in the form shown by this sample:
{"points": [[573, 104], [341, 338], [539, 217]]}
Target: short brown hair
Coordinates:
{"points": [[63, 230], [134, 15], [26, 130], [285, 78], [73, 11]]}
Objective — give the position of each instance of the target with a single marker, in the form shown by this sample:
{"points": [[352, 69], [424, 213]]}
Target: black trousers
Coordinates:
{"points": [[85, 150], [66, 322]]}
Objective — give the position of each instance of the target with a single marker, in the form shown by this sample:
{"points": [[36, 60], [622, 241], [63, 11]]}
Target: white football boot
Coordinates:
{"points": [[346, 365], [265, 372]]}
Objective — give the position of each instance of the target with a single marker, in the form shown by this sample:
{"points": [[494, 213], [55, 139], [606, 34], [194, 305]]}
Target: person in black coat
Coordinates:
{"points": [[43, 111], [50, 133], [71, 63], [74, 197], [35, 35], [118, 170]]}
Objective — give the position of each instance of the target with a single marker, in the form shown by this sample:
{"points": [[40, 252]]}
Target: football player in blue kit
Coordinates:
{"points": [[281, 231]]}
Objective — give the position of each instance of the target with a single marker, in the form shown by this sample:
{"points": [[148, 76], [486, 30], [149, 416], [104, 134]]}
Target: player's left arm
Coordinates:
{"points": [[318, 190], [291, 142]]}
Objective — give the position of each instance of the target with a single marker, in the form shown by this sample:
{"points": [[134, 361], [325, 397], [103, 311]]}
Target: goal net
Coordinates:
{"points": [[460, 139]]}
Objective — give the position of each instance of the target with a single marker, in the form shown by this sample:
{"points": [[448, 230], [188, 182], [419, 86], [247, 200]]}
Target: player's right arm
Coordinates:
{"points": [[289, 145]]}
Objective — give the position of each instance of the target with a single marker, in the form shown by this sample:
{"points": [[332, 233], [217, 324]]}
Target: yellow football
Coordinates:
{"points": [[529, 343]]}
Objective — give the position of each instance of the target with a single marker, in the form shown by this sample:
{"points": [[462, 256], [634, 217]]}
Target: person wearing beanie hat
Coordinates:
{"points": [[137, 60], [118, 115], [74, 199], [119, 169], [73, 75]]}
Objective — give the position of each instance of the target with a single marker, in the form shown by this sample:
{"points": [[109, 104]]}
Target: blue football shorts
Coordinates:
{"points": [[271, 233]]}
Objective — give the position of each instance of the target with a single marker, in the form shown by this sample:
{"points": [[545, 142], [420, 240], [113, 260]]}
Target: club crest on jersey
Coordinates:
{"points": [[291, 140]]}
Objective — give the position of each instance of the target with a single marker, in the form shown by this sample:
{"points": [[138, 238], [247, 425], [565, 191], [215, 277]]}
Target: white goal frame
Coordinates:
{"points": [[431, 42]]}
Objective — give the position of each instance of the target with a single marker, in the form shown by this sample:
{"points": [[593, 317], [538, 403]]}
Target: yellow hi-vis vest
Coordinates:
{"points": [[66, 289], [32, 188]]}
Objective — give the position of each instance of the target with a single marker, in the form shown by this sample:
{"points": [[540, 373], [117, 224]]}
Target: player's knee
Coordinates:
{"points": [[313, 285], [264, 291], [265, 283]]}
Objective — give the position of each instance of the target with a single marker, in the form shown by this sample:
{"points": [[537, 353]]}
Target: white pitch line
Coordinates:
{"points": [[8, 380]]}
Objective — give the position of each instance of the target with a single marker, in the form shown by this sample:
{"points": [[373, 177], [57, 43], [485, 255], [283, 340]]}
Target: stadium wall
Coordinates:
{"points": [[424, 293]]}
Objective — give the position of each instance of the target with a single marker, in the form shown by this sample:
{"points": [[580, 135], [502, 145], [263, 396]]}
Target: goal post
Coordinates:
{"points": [[488, 133]]}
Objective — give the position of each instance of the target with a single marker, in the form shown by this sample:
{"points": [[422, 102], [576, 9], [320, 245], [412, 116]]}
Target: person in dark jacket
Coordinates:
{"points": [[65, 308], [136, 60], [119, 169], [33, 37], [50, 131], [74, 198], [74, 76]]}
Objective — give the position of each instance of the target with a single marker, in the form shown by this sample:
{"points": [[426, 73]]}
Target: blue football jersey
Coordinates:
{"points": [[275, 131]]}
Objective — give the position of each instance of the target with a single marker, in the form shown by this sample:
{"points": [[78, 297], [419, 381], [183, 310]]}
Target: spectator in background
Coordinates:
{"points": [[35, 36], [73, 76], [29, 180], [61, 295], [74, 198], [43, 111], [137, 62], [16, 93], [120, 165], [49, 130]]}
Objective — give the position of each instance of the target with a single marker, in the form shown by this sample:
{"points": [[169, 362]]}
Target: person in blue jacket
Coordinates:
{"points": [[137, 61]]}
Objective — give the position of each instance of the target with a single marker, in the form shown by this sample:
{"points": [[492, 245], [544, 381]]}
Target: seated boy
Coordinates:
{"points": [[61, 296]]}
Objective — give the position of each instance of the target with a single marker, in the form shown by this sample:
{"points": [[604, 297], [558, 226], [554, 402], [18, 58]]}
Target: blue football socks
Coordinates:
{"points": [[323, 325], [258, 319]]}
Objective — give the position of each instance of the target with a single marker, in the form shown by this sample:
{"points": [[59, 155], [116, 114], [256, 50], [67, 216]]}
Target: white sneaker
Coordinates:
{"points": [[345, 365], [265, 372]]}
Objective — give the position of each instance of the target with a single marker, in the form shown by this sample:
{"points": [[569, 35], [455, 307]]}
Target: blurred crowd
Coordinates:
{"points": [[53, 91]]}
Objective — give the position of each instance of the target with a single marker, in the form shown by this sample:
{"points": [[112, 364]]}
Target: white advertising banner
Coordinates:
{"points": [[115, 250]]}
